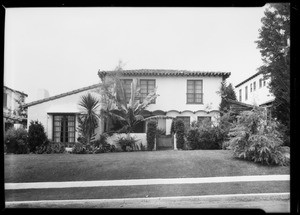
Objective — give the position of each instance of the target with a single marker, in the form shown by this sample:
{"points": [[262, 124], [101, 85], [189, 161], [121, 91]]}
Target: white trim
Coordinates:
{"points": [[134, 182]]}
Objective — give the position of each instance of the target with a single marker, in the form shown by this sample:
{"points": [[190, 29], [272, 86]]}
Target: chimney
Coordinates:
{"points": [[42, 94]]}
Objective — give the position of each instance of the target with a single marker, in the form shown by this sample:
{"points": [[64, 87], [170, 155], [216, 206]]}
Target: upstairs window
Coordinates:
{"points": [[264, 82], [194, 92], [64, 128], [254, 85], [250, 87], [147, 86], [127, 88], [240, 95], [246, 92]]}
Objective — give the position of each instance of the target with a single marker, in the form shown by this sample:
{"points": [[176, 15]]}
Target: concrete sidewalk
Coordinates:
{"points": [[269, 202]]}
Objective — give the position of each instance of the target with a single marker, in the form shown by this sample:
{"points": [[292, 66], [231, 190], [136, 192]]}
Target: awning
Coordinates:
{"points": [[66, 108]]}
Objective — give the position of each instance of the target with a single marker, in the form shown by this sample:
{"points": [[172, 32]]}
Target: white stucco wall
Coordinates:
{"points": [[257, 97], [65, 104], [172, 93], [172, 96]]}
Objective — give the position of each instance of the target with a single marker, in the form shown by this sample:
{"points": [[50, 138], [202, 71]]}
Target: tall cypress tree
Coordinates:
{"points": [[274, 45], [226, 92]]}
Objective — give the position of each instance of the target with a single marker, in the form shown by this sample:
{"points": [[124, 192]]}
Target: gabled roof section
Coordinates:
{"points": [[61, 95], [163, 72], [17, 91], [239, 106], [248, 79]]}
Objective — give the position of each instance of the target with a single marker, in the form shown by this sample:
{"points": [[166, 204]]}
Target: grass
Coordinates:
{"points": [[147, 191], [130, 165]]}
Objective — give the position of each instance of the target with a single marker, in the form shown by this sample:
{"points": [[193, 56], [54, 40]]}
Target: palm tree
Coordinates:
{"points": [[88, 118], [117, 109]]}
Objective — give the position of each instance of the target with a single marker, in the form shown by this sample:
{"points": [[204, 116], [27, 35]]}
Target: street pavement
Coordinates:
{"points": [[269, 202]]}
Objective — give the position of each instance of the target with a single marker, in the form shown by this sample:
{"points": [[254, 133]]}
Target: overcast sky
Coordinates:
{"points": [[62, 49]]}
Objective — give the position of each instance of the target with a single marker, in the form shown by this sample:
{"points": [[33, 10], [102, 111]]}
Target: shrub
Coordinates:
{"points": [[16, 141], [256, 138], [151, 134], [36, 135], [78, 148], [101, 141], [205, 138], [179, 129], [50, 148], [127, 143], [101, 145]]}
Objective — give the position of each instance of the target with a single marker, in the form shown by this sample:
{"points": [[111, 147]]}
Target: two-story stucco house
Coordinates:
{"points": [[188, 95], [11, 107], [254, 91]]}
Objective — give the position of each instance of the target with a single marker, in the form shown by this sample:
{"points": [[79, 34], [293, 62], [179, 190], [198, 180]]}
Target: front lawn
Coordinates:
{"points": [[130, 165]]}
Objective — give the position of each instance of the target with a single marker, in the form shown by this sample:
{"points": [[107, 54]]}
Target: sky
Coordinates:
{"points": [[62, 49]]}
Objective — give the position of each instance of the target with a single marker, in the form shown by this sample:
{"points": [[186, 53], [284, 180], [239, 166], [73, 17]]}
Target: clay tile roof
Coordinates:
{"points": [[165, 72], [60, 95]]}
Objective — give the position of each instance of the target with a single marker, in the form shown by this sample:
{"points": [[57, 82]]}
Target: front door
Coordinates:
{"points": [[64, 128]]}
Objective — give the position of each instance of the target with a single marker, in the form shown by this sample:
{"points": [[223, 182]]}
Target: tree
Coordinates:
{"points": [[274, 37], [36, 135], [88, 118], [114, 104], [226, 92]]}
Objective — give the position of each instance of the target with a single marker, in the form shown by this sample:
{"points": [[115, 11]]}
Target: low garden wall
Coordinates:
{"points": [[141, 137]]}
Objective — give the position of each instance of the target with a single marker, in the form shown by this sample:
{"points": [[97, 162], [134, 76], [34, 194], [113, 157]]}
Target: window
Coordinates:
{"points": [[250, 87], [194, 92], [64, 128], [260, 83], [240, 95], [186, 121], [201, 118], [127, 88], [147, 86], [264, 82], [5, 100], [246, 92], [254, 85]]}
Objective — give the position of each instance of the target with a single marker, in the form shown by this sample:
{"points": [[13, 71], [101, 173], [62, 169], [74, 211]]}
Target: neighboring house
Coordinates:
{"points": [[12, 114], [186, 95], [255, 91]]}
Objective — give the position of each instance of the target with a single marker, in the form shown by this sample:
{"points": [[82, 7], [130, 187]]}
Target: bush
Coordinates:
{"points": [[16, 141], [127, 143], [205, 138], [101, 145], [36, 135], [179, 129], [151, 134], [101, 141], [79, 148], [256, 138], [50, 148]]}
